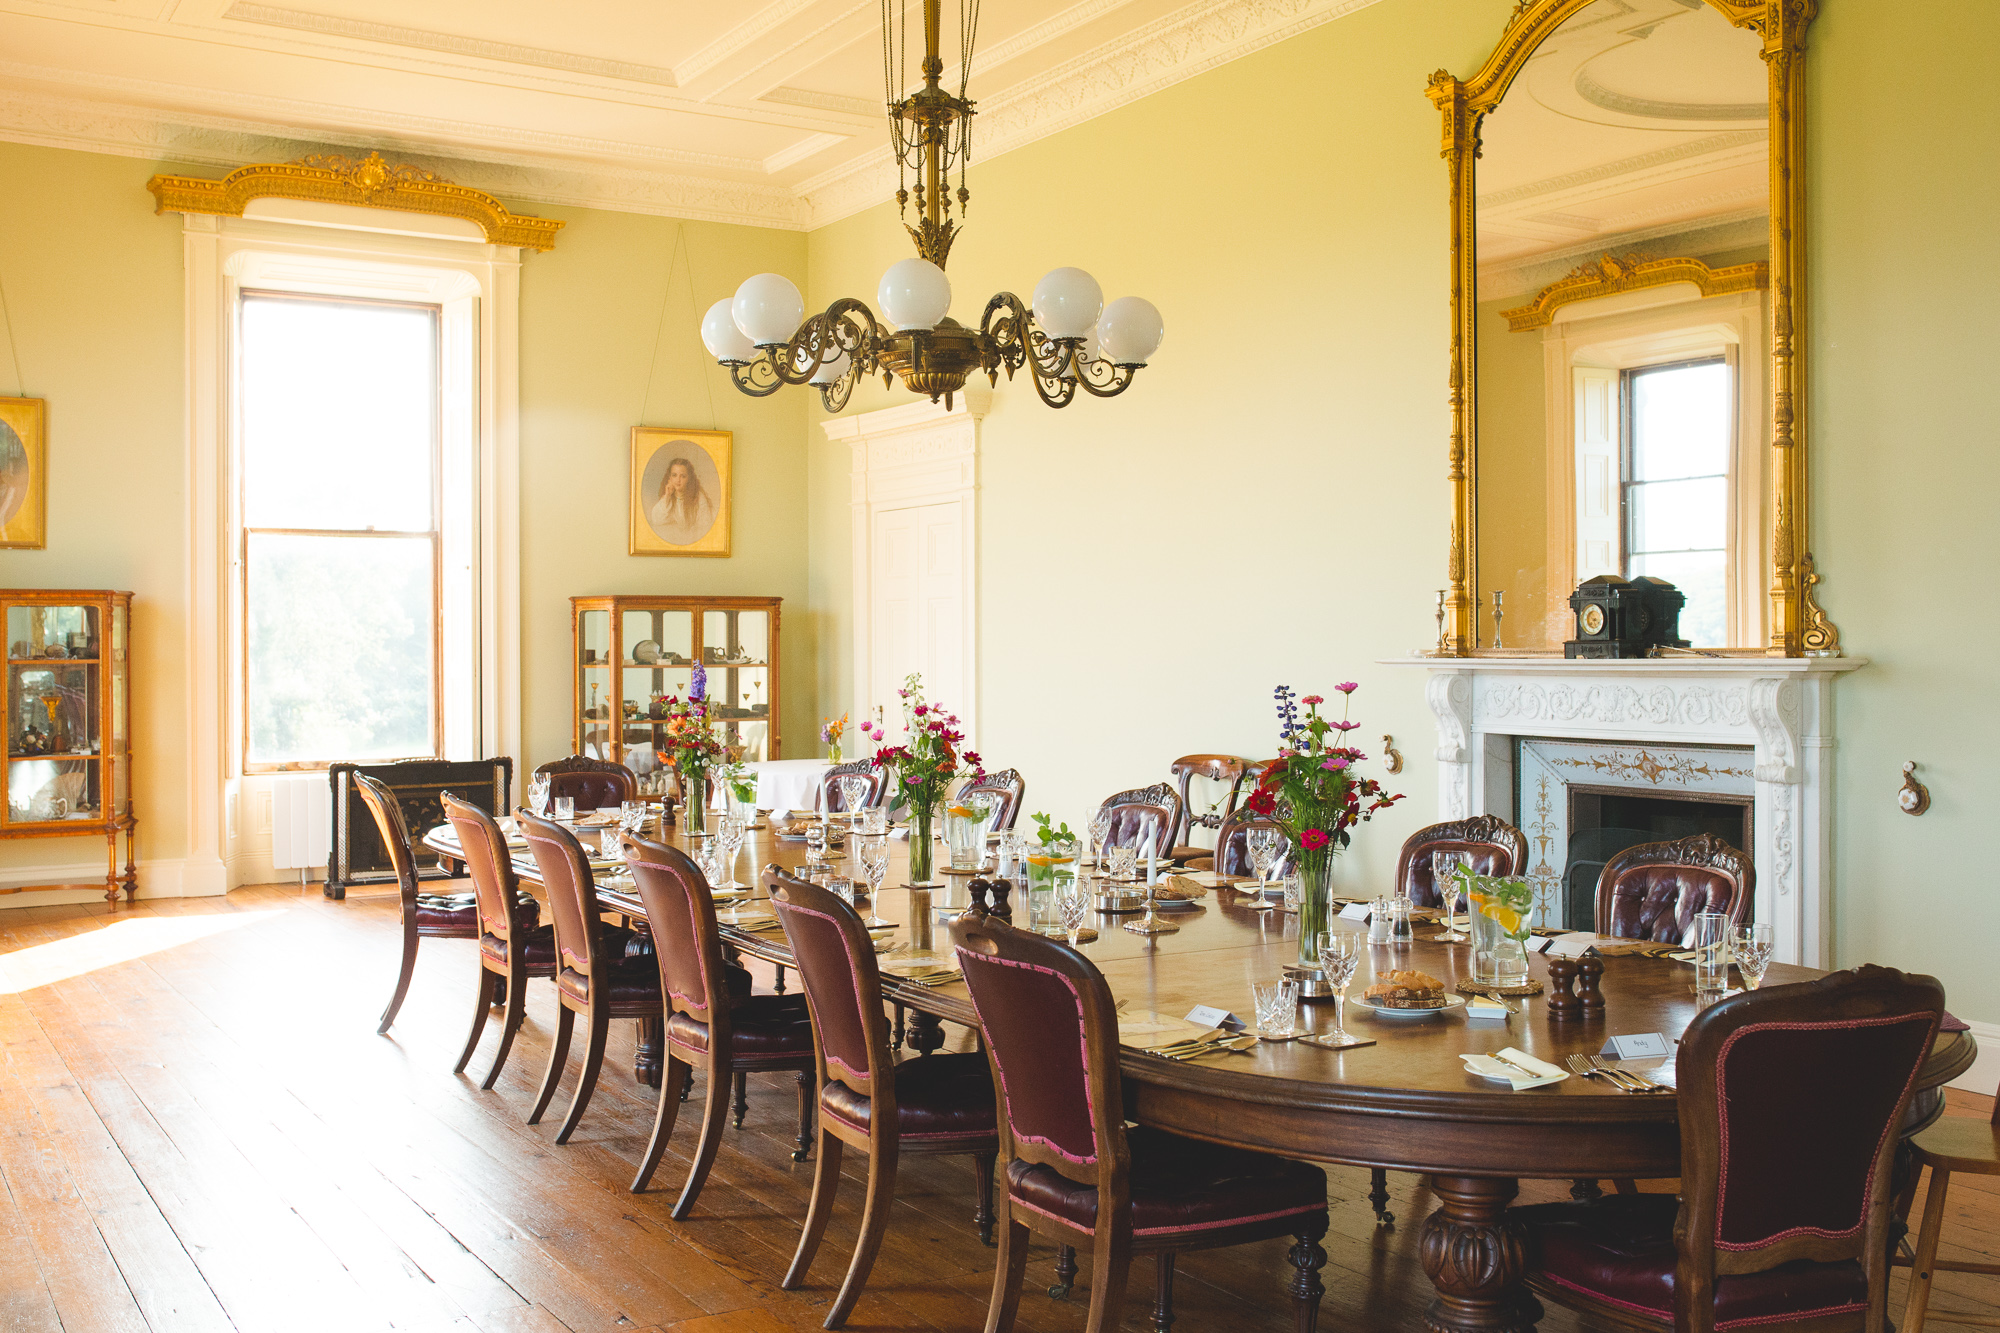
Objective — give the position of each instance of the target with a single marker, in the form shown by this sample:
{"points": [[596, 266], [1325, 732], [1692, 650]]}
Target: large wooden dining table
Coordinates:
{"points": [[1406, 1103]]}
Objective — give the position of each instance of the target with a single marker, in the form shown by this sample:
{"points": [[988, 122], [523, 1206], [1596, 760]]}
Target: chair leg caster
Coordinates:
{"points": [[1378, 1195], [1059, 1292]]}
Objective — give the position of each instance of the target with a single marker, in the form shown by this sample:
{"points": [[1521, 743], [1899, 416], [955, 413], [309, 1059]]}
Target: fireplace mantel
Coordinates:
{"points": [[1780, 708]]}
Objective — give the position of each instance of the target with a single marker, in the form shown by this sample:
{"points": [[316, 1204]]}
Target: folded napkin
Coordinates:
{"points": [[1543, 1075]]}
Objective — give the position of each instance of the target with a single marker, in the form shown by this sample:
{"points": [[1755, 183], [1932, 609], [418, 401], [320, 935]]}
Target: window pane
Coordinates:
{"points": [[1680, 422], [339, 648], [1678, 515], [339, 414], [1700, 577]]}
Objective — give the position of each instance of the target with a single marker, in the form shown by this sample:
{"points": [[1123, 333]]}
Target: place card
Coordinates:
{"points": [[1637, 1046], [1208, 1016], [1539, 943], [1354, 912]]}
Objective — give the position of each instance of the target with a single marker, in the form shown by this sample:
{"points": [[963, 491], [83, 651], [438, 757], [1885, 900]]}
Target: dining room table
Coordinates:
{"points": [[1405, 1102]]}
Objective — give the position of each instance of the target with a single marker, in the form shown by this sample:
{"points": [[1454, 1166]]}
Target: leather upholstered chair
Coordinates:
{"points": [[938, 1103], [713, 1021], [449, 916], [1654, 891], [592, 783], [595, 974], [1790, 1099], [1494, 846], [832, 802], [510, 950], [1220, 768], [1008, 790], [1076, 1175], [1143, 810]]}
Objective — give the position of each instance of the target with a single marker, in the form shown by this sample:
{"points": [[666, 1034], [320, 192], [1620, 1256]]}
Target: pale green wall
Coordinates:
{"points": [[1513, 478], [1268, 503]]}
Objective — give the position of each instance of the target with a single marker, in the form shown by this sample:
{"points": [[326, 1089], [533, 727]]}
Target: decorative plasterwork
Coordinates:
{"points": [[1612, 274], [370, 182]]}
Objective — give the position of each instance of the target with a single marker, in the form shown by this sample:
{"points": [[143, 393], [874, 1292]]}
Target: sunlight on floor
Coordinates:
{"points": [[120, 942]]}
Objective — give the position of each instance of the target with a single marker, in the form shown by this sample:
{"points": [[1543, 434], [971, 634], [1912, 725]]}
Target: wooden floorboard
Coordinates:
{"points": [[200, 1130]]}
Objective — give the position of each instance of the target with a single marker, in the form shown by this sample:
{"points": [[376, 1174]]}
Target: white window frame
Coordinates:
{"points": [[333, 249]]}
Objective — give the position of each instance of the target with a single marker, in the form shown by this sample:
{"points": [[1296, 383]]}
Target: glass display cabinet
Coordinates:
{"points": [[69, 724], [631, 654]]}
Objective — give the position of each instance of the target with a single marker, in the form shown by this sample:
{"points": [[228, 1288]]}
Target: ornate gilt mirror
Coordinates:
{"points": [[1626, 193]]}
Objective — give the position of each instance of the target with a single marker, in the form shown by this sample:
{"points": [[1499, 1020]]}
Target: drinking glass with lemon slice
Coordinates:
{"points": [[1501, 908], [965, 829]]}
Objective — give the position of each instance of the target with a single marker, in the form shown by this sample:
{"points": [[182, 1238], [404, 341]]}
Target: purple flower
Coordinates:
{"points": [[1347, 686], [699, 690], [1334, 765]]}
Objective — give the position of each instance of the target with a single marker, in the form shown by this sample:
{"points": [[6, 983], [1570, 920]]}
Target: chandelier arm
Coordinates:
{"points": [[1053, 358], [1105, 380], [1054, 389], [834, 396], [745, 376], [1004, 340]]}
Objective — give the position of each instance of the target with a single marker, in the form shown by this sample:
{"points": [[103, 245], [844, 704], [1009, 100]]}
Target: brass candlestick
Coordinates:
{"points": [[1497, 614], [1440, 620], [1150, 924]]}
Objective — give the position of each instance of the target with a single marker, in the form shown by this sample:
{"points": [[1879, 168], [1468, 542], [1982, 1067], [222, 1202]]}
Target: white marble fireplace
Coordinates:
{"points": [[1759, 725]]}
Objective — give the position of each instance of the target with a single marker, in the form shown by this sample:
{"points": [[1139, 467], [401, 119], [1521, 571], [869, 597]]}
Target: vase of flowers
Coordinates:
{"points": [[830, 731], [1315, 797], [924, 766], [692, 747]]}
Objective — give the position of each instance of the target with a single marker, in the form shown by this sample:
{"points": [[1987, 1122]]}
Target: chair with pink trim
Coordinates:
{"points": [[936, 1103], [1790, 1102], [1075, 1175]]}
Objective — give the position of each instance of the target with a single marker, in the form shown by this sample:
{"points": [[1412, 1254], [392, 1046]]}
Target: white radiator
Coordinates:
{"points": [[300, 807]]}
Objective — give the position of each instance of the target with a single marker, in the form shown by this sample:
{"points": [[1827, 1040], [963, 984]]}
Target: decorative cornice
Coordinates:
{"points": [[369, 182], [1643, 162], [1633, 272]]}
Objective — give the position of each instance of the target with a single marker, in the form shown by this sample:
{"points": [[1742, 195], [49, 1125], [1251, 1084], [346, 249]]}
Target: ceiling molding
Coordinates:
{"points": [[1187, 42], [1681, 152]]}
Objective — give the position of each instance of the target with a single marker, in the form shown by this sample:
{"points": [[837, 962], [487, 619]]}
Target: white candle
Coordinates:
{"points": [[1152, 860]]}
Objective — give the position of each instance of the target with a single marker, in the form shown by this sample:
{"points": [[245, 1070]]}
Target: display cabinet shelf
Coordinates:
{"points": [[68, 766]]}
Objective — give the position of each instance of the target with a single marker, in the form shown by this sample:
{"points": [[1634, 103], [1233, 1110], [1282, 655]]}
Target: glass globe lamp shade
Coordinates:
{"points": [[725, 341], [769, 309], [914, 294], [1067, 303], [1130, 331], [830, 371]]}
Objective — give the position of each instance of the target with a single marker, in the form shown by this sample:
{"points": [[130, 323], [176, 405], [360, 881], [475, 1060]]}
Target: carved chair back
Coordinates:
{"points": [[1790, 1098], [681, 911], [831, 799], [1008, 790], [1493, 846], [489, 866], [1143, 810], [592, 783], [1232, 846], [1654, 891], [1218, 768], [395, 833], [836, 960], [582, 959], [1051, 1031]]}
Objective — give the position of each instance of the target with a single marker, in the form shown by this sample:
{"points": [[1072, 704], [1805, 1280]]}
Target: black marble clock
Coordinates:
{"points": [[1625, 617]]}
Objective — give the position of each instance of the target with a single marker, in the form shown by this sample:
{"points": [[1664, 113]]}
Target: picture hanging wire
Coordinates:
{"points": [[14, 348], [679, 256]]}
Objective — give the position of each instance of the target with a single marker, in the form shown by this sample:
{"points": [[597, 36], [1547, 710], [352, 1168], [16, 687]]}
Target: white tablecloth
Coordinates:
{"points": [[782, 784]]}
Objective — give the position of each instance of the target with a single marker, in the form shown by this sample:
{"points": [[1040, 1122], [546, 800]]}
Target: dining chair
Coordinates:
{"points": [[1789, 1102], [1655, 890], [1232, 846], [833, 802], [1217, 768], [1491, 844], [596, 976], [1008, 790], [592, 783], [1955, 1145], [937, 1103], [511, 947], [1075, 1174], [1154, 810], [446, 916], [713, 1022]]}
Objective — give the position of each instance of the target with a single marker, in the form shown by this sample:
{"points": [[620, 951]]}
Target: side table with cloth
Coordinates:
{"points": [[782, 784]]}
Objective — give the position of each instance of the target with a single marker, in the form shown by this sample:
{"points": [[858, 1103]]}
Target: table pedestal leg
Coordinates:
{"points": [[1476, 1259], [651, 1051], [924, 1033]]}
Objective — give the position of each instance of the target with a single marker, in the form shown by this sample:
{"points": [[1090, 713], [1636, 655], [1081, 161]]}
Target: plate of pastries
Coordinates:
{"points": [[1408, 993]]}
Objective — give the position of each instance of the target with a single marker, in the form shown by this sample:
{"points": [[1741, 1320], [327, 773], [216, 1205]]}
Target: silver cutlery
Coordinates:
{"points": [[1231, 1046], [1516, 1064], [1645, 1084], [1212, 1035], [1579, 1064]]}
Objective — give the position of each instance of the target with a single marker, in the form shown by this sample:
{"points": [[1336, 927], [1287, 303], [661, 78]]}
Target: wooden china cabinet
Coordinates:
{"points": [[629, 654], [68, 772]]}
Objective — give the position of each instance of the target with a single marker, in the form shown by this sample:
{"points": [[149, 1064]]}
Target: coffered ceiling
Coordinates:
{"points": [[766, 112]]}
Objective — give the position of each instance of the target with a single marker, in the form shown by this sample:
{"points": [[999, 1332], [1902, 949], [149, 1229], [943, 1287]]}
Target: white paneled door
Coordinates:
{"points": [[917, 603]]}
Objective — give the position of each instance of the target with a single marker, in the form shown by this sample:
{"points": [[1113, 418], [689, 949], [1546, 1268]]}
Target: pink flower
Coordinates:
{"points": [[920, 710], [1347, 686], [1312, 699], [1334, 765], [1312, 839], [1344, 725]]}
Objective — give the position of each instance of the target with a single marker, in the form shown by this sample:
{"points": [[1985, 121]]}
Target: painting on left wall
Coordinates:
{"points": [[24, 473]]}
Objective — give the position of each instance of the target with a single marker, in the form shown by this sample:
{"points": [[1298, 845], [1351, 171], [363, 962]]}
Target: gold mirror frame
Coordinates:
{"points": [[1798, 626]]}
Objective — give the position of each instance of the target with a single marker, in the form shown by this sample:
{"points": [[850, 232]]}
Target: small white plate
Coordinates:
{"points": [[1508, 1080], [1451, 1002]]}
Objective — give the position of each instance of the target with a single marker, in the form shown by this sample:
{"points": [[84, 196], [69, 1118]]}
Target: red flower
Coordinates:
{"points": [[1261, 802], [1312, 839]]}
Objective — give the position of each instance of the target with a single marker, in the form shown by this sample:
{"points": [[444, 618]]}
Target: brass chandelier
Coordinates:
{"points": [[1067, 332]]}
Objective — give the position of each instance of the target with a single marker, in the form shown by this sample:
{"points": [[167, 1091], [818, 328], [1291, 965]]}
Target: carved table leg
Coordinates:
{"points": [[1476, 1259], [1583, 1191], [651, 1052], [924, 1033]]}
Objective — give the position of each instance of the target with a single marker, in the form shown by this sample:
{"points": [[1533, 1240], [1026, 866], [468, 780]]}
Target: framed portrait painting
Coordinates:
{"points": [[680, 491], [24, 473]]}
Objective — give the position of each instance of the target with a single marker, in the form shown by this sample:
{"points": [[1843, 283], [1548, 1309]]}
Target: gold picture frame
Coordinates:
{"points": [[703, 458], [24, 474]]}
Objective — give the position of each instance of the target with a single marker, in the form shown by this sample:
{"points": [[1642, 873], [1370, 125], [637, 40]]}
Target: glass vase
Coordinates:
{"points": [[696, 786], [921, 847], [833, 752], [1315, 902]]}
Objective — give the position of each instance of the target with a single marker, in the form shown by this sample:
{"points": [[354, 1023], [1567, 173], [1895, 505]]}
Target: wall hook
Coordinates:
{"points": [[1914, 797], [1392, 758]]}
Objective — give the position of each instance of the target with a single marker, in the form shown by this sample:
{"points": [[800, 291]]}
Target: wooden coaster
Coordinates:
{"points": [[1532, 986], [1084, 936]]}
